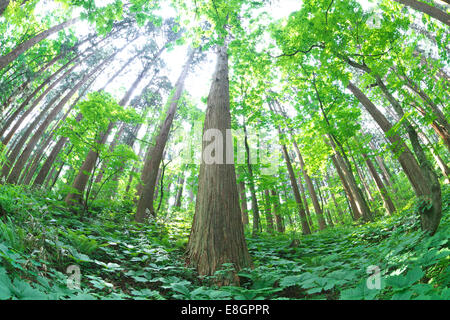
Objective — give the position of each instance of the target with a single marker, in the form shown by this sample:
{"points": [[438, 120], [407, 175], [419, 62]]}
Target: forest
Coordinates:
{"points": [[224, 150]]}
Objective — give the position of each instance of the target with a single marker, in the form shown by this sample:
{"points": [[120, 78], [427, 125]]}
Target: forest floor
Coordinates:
{"points": [[117, 259]]}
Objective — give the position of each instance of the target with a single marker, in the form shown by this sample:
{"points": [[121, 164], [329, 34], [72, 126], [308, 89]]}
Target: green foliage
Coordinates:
{"points": [[121, 260]]}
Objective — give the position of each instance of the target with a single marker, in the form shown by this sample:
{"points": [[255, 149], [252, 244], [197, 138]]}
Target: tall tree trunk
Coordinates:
{"points": [[276, 211], [25, 85], [50, 87], [385, 173], [301, 209], [352, 204], [179, 195], [268, 212], [217, 234], [18, 166], [255, 209], [387, 201], [425, 189], [82, 177], [21, 48], [363, 180], [243, 197], [17, 147], [363, 210], [36, 102], [339, 211], [145, 203], [310, 186], [445, 170], [40, 152], [305, 202], [425, 165], [427, 9], [43, 172]]}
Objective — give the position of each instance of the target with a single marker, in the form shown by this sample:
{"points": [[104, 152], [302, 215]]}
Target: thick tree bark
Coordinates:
{"points": [[217, 234], [145, 203], [21, 48], [425, 188], [427, 9], [387, 201]]}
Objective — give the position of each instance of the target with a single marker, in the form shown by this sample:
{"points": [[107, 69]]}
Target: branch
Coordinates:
{"points": [[321, 46]]}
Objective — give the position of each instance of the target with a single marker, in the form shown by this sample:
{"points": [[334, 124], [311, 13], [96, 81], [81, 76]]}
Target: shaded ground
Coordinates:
{"points": [[117, 259]]}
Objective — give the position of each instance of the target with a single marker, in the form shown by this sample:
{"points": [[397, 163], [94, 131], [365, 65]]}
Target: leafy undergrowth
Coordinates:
{"points": [[117, 259]]}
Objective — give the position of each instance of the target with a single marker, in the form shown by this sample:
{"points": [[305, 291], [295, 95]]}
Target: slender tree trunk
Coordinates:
{"points": [[17, 147], [179, 195], [425, 188], [255, 209], [310, 186], [439, 161], [217, 234], [425, 165], [363, 210], [41, 151], [387, 201], [35, 102], [21, 48], [43, 172], [17, 169], [243, 197], [268, 212], [82, 177], [385, 173], [24, 86], [342, 177], [339, 211], [303, 194], [145, 203], [363, 181], [302, 214], [427, 9], [276, 211]]}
